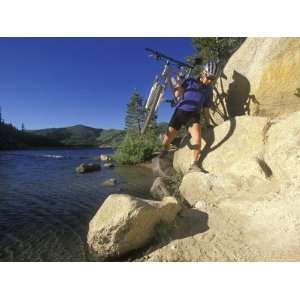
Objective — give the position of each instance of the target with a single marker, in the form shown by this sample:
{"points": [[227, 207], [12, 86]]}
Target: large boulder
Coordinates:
{"points": [[163, 167], [125, 223], [262, 77], [236, 147], [160, 188], [212, 189], [104, 157], [197, 186], [283, 149], [109, 182], [86, 168]]}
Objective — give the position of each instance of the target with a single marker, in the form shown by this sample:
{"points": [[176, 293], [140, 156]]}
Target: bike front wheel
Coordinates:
{"points": [[153, 99]]}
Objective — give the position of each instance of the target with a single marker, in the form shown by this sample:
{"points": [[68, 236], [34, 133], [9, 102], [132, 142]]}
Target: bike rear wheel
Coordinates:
{"points": [[219, 112], [152, 102]]}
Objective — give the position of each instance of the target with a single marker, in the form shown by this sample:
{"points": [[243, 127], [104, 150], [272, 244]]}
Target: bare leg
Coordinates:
{"points": [[195, 132], [169, 137]]}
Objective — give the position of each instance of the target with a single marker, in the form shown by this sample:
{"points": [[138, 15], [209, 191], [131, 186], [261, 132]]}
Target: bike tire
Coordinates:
{"points": [[153, 100], [219, 111], [150, 97]]}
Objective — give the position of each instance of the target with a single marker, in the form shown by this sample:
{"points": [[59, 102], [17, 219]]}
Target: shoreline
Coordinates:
{"points": [[147, 164], [57, 148]]}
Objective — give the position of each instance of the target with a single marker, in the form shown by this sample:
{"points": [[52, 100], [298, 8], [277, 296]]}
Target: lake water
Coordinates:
{"points": [[45, 207]]}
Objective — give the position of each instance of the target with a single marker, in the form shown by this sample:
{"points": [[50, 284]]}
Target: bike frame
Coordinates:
{"points": [[162, 82], [165, 79]]}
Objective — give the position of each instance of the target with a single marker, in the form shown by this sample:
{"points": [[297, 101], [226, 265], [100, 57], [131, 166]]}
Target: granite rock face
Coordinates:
{"points": [[260, 158], [235, 147], [283, 149], [262, 77]]}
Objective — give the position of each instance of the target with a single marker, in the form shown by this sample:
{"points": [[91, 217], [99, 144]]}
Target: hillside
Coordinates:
{"points": [[12, 138], [83, 136], [73, 136]]}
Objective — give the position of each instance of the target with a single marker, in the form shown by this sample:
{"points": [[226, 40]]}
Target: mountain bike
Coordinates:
{"points": [[174, 72]]}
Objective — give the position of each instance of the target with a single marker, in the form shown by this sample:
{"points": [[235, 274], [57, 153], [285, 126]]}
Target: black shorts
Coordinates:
{"points": [[184, 118]]}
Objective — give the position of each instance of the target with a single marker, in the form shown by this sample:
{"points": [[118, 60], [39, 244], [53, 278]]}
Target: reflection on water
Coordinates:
{"points": [[45, 207]]}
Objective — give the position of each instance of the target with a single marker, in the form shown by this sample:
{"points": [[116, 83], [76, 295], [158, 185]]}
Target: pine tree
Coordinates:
{"points": [[136, 148], [23, 127], [217, 48], [135, 113], [1, 120]]}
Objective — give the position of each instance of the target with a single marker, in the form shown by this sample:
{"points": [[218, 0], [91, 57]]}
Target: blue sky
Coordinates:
{"points": [[58, 82]]}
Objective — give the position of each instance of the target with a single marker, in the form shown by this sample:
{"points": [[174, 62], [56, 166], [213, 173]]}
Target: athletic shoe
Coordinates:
{"points": [[196, 168]]}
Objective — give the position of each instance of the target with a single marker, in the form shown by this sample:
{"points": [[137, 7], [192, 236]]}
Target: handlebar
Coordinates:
{"points": [[159, 55]]}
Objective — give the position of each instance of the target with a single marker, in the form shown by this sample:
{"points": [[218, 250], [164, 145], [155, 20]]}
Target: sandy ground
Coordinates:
{"points": [[249, 228]]}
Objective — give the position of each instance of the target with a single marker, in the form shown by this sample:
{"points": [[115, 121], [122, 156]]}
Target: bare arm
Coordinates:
{"points": [[178, 90]]}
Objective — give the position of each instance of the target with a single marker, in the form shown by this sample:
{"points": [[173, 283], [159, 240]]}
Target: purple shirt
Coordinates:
{"points": [[195, 96]]}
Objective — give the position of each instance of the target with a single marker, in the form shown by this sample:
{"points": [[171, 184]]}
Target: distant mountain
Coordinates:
{"points": [[74, 136], [12, 138], [83, 136]]}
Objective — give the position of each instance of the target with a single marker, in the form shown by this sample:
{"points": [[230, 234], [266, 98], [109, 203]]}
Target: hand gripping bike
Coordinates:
{"points": [[173, 72]]}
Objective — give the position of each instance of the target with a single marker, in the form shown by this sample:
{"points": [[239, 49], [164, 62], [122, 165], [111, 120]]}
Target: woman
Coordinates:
{"points": [[196, 95]]}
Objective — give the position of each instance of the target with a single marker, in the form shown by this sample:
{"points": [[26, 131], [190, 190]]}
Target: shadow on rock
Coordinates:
{"points": [[238, 98], [209, 138], [236, 101], [188, 223]]}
